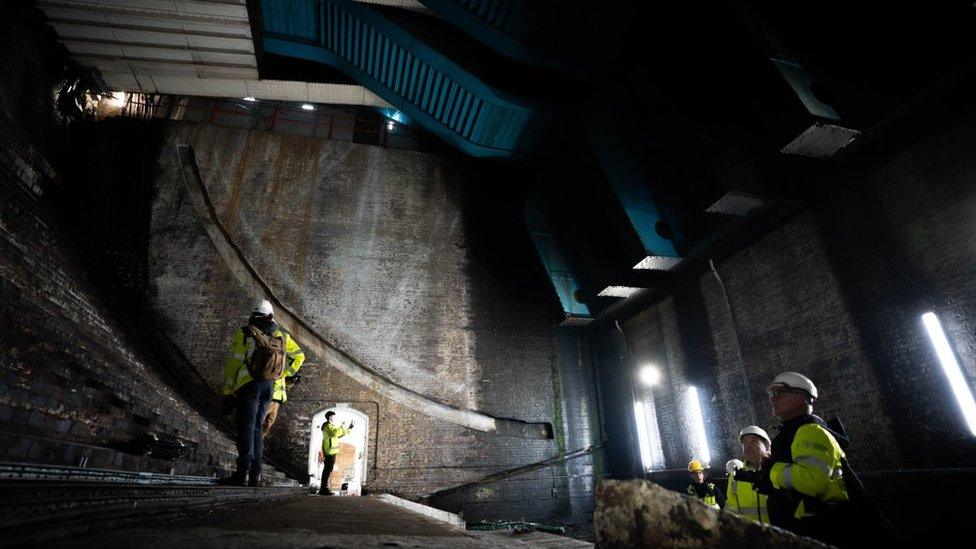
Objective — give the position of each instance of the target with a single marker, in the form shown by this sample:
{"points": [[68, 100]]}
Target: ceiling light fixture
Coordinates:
{"points": [[117, 99], [649, 375]]}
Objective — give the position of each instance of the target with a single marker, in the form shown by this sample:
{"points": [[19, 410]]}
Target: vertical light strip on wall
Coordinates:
{"points": [[645, 447], [700, 442], [654, 434], [964, 396]]}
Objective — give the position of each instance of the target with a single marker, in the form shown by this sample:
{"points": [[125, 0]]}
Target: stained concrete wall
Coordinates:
{"points": [[372, 247]]}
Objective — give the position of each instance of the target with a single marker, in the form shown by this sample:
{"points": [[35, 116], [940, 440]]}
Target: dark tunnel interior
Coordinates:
{"points": [[545, 261]]}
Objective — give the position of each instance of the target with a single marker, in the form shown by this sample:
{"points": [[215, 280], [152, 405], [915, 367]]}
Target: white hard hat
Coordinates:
{"points": [[793, 380], [733, 464], [263, 307], [754, 430]]}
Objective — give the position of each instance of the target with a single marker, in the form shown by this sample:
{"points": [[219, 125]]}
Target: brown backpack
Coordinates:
{"points": [[268, 359]]}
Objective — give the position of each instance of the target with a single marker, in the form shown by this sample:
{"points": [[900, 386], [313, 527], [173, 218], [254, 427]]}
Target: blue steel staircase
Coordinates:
{"points": [[445, 98]]}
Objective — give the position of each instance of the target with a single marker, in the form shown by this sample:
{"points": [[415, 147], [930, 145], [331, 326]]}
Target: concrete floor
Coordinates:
{"points": [[310, 521]]}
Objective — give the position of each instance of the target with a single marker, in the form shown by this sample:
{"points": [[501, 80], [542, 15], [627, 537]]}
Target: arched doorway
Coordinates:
{"points": [[350, 467]]}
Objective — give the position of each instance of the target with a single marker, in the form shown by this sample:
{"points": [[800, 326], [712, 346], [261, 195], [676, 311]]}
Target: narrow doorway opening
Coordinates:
{"points": [[350, 466]]}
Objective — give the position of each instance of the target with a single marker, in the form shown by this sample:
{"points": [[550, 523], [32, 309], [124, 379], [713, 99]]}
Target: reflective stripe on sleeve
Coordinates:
{"points": [[788, 477], [816, 462]]}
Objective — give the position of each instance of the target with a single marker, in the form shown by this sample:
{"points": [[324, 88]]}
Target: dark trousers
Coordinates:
{"points": [[326, 473], [252, 406]]}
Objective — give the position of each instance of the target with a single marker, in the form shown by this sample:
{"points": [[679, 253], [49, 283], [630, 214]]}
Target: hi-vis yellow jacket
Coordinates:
{"points": [[241, 348], [816, 470], [743, 500], [707, 492], [330, 438]]}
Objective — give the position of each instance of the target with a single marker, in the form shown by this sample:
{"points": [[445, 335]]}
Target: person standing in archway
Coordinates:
{"points": [[331, 433]]}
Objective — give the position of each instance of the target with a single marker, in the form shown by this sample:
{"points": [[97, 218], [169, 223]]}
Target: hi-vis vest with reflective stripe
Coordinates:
{"points": [[743, 499], [816, 470], [241, 348], [330, 438], [709, 498]]}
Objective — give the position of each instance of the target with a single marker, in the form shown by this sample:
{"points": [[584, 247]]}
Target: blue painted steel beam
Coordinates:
{"points": [[423, 83], [626, 176], [557, 262], [566, 35]]}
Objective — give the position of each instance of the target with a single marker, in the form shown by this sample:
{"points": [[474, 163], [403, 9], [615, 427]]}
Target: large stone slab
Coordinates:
{"points": [[639, 513]]}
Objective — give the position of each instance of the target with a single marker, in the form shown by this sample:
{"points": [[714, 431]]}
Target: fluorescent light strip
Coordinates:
{"points": [[961, 390], [657, 448], [645, 447], [698, 426]]}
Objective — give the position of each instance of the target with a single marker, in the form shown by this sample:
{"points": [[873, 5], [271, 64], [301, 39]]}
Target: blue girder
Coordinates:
{"points": [[545, 33], [557, 262], [423, 83]]}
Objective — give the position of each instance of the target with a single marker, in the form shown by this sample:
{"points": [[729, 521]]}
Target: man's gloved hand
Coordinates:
{"points": [[752, 477], [227, 405], [292, 380], [759, 479]]}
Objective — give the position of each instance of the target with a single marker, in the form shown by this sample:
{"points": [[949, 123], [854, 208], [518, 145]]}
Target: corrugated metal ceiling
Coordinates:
{"points": [[182, 47]]}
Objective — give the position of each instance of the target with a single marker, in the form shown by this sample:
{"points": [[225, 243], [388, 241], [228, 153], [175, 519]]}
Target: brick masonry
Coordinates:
{"points": [[76, 383], [385, 252], [102, 388], [372, 247], [837, 293]]}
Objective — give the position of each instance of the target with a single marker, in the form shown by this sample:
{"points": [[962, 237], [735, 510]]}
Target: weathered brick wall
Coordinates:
{"points": [[791, 315], [76, 386], [373, 248], [561, 491], [31, 66], [75, 382], [837, 293], [901, 233], [654, 338]]}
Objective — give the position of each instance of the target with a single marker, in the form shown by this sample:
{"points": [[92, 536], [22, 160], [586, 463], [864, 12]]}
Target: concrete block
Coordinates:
{"points": [[427, 511]]}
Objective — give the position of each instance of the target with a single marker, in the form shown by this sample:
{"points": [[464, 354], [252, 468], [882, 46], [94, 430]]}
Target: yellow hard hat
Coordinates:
{"points": [[695, 465]]}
